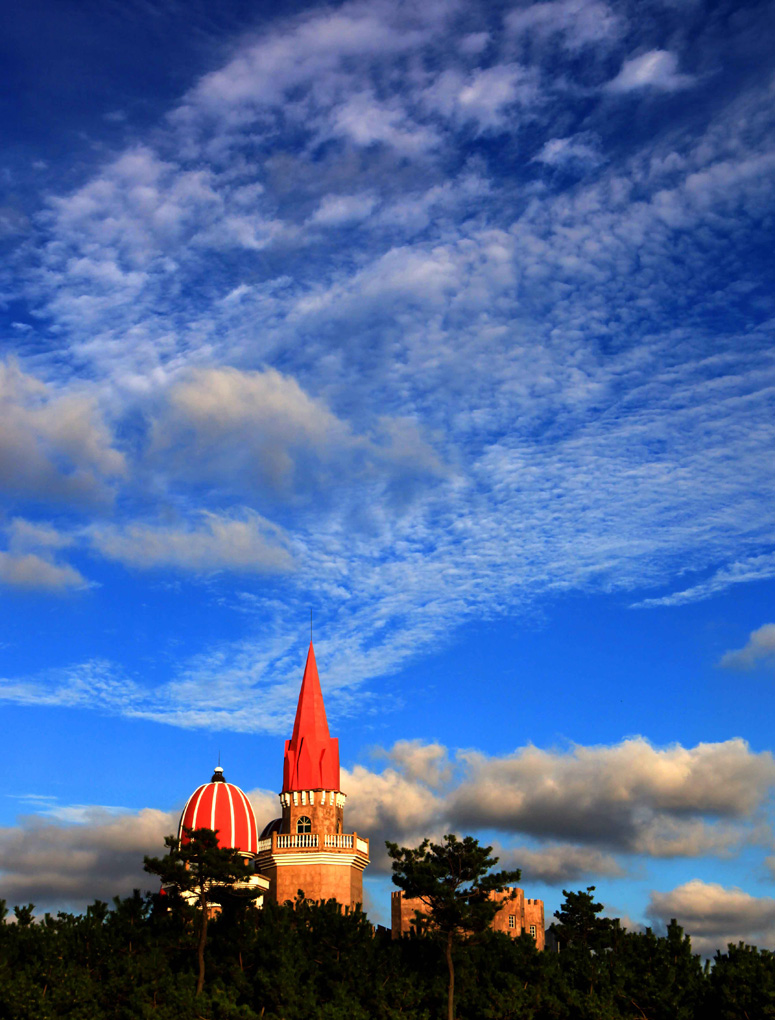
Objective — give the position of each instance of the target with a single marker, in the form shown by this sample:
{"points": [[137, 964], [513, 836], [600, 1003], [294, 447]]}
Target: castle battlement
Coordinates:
{"points": [[297, 797]]}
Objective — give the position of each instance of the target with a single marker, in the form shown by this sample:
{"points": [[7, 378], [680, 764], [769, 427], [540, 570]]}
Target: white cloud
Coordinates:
{"points": [[474, 42], [338, 210], [67, 866], [427, 763], [752, 568], [630, 796], [262, 431], [54, 445], [246, 543], [491, 97], [310, 49], [424, 791], [30, 572], [390, 805], [578, 23], [364, 120], [95, 684], [579, 149], [559, 864], [657, 69], [24, 535], [759, 649], [30, 563], [64, 856], [511, 385], [590, 809], [522, 332], [714, 915], [265, 414]]}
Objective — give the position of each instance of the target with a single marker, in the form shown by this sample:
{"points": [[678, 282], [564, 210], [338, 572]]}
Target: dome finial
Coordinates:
{"points": [[218, 773]]}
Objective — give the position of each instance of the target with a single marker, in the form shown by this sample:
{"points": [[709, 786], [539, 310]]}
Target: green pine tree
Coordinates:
{"points": [[199, 868], [454, 882]]}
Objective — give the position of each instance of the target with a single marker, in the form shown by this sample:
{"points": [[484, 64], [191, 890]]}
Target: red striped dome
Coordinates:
{"points": [[220, 806]]}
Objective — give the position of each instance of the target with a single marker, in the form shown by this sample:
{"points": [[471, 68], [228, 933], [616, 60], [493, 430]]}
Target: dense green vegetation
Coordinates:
{"points": [[196, 867], [454, 879], [138, 960]]}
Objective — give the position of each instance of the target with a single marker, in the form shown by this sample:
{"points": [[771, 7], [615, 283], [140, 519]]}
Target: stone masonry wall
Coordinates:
{"points": [[516, 916]]}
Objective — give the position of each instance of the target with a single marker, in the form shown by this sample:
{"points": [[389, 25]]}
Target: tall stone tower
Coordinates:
{"points": [[307, 849]]}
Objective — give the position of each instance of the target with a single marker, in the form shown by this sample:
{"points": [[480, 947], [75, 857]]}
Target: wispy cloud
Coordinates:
{"points": [[580, 150], [411, 318], [657, 69], [578, 24], [754, 568]]}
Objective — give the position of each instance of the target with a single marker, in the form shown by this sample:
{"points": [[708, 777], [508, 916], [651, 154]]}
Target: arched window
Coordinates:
{"points": [[304, 824]]}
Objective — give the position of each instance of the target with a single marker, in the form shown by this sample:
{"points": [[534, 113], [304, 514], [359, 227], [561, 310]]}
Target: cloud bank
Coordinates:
{"points": [[563, 816], [715, 915]]}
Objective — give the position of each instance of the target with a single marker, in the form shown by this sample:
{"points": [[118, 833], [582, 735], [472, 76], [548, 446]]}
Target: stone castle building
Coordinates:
{"points": [[307, 849], [515, 917]]}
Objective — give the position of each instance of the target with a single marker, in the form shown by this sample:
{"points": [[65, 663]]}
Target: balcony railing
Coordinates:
{"points": [[296, 839], [312, 841], [339, 840]]}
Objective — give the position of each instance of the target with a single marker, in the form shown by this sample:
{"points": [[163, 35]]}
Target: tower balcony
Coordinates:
{"points": [[330, 842]]}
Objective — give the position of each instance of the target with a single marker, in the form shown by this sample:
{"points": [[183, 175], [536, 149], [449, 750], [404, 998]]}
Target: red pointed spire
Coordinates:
{"points": [[311, 755]]}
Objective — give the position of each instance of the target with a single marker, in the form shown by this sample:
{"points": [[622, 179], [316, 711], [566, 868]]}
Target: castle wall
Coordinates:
{"points": [[534, 915], [515, 916], [402, 913], [510, 919]]}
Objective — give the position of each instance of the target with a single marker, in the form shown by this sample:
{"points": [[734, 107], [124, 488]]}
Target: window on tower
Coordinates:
{"points": [[304, 824]]}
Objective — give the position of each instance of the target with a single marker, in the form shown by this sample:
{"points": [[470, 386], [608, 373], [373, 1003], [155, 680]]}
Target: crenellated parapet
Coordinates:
{"points": [[311, 797]]}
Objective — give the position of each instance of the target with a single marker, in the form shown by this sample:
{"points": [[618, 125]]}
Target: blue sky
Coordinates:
{"points": [[453, 326]]}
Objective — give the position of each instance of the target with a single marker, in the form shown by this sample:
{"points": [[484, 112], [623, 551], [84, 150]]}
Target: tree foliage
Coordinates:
{"points": [[455, 882], [135, 959], [198, 869]]}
